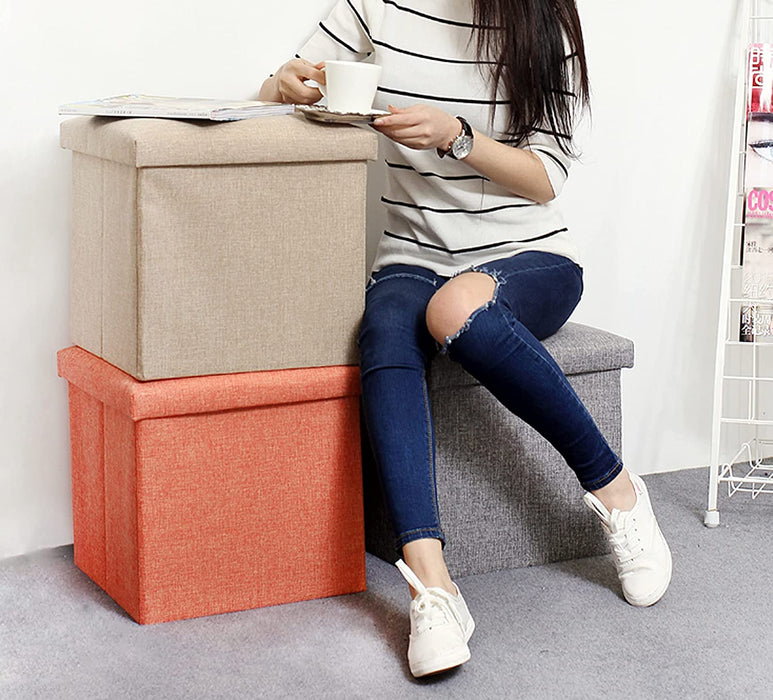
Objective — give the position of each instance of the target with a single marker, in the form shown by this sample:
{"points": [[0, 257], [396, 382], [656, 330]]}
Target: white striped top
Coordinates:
{"points": [[441, 214]]}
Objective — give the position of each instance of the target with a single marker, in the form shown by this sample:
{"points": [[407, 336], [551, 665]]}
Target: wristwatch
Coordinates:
{"points": [[461, 146]]}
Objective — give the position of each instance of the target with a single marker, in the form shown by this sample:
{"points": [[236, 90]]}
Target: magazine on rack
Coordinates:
{"points": [[757, 323], [757, 263], [175, 108], [757, 243], [760, 79]]}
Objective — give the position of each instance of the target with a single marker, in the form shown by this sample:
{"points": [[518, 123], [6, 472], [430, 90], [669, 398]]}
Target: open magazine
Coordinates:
{"points": [[175, 108]]}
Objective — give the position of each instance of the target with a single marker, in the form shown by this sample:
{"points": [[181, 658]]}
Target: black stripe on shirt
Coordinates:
{"points": [[422, 207], [403, 166], [376, 42], [383, 44], [552, 157], [474, 249], [360, 19], [339, 40], [437, 98], [430, 17]]}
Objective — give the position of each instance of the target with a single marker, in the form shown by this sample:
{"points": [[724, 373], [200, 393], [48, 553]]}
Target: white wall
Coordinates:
{"points": [[647, 202], [649, 206]]}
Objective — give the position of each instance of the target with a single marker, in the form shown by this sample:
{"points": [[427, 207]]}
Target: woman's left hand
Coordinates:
{"points": [[419, 126]]}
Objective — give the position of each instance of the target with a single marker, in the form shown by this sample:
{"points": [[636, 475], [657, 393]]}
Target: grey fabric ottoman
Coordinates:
{"points": [[507, 498]]}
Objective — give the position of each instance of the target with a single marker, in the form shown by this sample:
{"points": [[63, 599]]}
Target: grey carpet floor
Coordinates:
{"points": [[555, 631]]}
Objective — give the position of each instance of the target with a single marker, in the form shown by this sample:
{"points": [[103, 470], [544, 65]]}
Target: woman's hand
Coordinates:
{"points": [[517, 170], [419, 126], [288, 84]]}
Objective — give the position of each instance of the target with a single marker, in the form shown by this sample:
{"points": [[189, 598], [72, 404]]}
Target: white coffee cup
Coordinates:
{"points": [[350, 86]]}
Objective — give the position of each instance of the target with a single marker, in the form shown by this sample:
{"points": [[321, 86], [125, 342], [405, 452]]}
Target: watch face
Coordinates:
{"points": [[462, 146]]}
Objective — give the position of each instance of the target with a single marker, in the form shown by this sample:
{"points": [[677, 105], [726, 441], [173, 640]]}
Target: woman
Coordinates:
{"points": [[476, 262]]}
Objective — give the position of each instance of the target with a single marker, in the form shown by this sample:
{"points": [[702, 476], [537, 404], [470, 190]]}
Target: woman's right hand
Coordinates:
{"points": [[288, 84]]}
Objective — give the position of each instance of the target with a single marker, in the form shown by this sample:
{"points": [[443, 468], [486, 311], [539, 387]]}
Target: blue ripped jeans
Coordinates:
{"points": [[499, 345]]}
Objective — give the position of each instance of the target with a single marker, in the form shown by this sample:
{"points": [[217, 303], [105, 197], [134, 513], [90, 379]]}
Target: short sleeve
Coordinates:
{"points": [[345, 34], [545, 145], [557, 163]]}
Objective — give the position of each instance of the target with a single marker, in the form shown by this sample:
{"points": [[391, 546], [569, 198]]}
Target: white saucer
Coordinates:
{"points": [[319, 113]]}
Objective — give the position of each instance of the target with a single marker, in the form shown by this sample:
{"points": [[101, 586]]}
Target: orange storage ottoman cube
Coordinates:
{"points": [[204, 248], [212, 494]]}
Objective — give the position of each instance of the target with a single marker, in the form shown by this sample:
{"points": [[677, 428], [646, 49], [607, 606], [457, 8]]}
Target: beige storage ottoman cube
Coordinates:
{"points": [[209, 248]]}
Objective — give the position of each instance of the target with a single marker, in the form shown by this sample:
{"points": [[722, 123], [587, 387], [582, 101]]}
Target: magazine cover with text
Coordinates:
{"points": [[757, 241]]}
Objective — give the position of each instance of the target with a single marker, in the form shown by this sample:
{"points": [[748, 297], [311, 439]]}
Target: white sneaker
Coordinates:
{"points": [[640, 551], [441, 625]]}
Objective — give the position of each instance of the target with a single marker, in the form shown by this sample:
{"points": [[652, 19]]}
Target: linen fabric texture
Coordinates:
{"points": [[192, 245], [205, 495]]}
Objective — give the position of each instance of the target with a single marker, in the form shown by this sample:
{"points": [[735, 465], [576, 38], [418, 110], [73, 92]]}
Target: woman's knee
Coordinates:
{"points": [[389, 314], [451, 306], [392, 331]]}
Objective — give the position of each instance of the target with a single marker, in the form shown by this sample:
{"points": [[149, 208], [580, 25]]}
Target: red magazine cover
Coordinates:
{"points": [[760, 79]]}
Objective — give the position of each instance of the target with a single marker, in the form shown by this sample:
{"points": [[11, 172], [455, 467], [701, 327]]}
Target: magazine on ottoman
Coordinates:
{"points": [[175, 108]]}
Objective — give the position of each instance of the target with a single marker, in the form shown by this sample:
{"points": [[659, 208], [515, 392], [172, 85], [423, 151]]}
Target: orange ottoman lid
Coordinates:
{"points": [[191, 395]]}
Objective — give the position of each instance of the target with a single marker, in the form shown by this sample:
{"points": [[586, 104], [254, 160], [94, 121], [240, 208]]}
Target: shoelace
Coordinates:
{"points": [[432, 606], [626, 541]]}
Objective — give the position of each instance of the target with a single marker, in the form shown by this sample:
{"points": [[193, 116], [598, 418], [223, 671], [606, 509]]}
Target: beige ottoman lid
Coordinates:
{"points": [[147, 143]]}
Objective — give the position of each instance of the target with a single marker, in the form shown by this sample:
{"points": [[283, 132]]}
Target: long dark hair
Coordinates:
{"points": [[538, 57]]}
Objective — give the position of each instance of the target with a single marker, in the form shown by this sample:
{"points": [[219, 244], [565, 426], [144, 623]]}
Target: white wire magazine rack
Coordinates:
{"points": [[747, 472], [743, 381]]}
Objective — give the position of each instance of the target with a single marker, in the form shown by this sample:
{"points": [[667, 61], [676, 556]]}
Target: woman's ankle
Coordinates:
{"points": [[618, 493], [425, 558]]}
